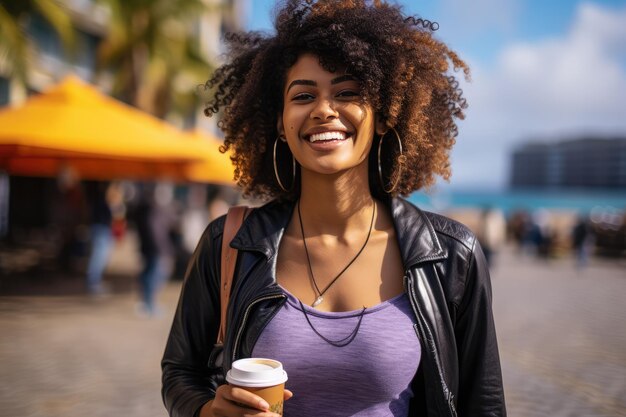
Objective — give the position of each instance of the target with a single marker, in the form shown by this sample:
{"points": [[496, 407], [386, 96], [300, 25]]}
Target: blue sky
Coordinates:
{"points": [[541, 70]]}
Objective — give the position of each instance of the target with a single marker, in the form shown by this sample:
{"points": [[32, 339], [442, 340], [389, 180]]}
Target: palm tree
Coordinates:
{"points": [[149, 49], [16, 49]]}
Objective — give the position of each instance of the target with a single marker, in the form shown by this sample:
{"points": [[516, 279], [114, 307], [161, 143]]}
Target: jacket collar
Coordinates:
{"points": [[416, 234], [263, 229]]}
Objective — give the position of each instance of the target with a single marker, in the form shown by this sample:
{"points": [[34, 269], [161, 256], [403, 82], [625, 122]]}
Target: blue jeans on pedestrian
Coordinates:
{"points": [[150, 280], [101, 243]]}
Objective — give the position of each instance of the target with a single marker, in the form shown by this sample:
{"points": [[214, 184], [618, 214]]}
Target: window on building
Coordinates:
{"points": [[53, 56], [85, 58], [45, 37]]}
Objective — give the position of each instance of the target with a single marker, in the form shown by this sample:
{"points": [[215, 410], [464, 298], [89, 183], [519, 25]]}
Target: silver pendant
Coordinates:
{"points": [[318, 301]]}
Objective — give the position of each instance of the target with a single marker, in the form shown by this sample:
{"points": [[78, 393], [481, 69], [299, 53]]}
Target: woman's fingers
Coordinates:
{"points": [[246, 398], [236, 402], [288, 394]]}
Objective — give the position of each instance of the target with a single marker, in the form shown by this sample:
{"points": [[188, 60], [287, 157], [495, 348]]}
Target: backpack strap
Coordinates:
{"points": [[234, 219]]}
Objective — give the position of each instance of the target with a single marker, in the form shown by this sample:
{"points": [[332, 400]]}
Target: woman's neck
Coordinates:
{"points": [[333, 204]]}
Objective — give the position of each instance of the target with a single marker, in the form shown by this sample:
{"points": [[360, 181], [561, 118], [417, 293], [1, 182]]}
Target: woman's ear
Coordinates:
{"points": [[380, 125]]}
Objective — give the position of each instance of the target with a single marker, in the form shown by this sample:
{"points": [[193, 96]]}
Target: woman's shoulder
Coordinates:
{"points": [[452, 229], [445, 228]]}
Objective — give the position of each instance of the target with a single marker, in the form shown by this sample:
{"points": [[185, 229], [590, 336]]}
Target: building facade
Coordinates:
{"points": [[50, 61], [593, 163]]}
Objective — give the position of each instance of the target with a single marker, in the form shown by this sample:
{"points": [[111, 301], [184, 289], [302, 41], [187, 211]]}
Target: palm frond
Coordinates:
{"points": [[13, 47], [151, 49], [59, 19]]}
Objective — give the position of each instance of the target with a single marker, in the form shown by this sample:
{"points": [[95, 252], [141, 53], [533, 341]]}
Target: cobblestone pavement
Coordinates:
{"points": [[562, 336], [561, 333]]}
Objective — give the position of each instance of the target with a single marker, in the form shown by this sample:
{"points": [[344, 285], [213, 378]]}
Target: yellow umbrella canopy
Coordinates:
{"points": [[214, 167], [74, 125]]}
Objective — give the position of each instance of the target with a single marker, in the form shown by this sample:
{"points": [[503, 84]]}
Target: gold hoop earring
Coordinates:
{"points": [[293, 169], [399, 159]]}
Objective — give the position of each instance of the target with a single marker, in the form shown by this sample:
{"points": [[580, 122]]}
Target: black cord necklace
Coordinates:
{"points": [[337, 343], [320, 294]]}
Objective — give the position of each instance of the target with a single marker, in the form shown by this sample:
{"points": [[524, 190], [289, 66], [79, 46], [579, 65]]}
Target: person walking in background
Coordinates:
{"points": [[107, 217], [101, 236], [70, 215], [491, 232], [154, 219], [542, 234], [582, 241], [194, 217]]}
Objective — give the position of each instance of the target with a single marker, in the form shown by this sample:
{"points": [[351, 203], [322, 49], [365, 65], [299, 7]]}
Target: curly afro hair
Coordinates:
{"points": [[402, 68]]}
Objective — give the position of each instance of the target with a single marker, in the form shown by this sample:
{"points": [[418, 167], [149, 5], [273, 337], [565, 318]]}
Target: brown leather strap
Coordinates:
{"points": [[234, 219]]}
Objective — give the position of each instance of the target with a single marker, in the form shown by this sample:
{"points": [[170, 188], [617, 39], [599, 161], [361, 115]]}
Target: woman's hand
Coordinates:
{"points": [[231, 401]]}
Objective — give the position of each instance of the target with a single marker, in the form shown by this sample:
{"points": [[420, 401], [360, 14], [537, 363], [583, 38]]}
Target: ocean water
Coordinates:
{"points": [[581, 201]]}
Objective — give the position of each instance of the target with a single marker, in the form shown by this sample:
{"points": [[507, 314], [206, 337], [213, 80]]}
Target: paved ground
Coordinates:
{"points": [[562, 337], [561, 333]]}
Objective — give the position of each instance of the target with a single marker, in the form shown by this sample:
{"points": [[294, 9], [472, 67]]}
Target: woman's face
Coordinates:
{"points": [[328, 127]]}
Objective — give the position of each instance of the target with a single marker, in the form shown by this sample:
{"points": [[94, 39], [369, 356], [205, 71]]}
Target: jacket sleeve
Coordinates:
{"points": [[480, 378], [188, 382]]}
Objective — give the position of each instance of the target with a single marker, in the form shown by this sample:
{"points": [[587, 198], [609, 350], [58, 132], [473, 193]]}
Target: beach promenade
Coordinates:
{"points": [[561, 333]]}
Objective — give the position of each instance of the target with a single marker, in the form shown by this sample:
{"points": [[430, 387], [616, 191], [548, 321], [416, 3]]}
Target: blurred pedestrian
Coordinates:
{"points": [[541, 235], [582, 241], [491, 232], [70, 214], [519, 225], [154, 219], [107, 217], [193, 219], [101, 237]]}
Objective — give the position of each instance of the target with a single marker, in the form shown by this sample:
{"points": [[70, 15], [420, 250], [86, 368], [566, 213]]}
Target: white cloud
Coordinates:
{"points": [[548, 89]]}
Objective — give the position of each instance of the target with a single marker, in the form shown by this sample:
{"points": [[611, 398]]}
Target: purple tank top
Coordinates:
{"points": [[369, 377]]}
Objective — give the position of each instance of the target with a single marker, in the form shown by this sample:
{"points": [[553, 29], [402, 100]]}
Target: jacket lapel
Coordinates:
{"points": [[418, 242], [416, 235], [263, 228]]}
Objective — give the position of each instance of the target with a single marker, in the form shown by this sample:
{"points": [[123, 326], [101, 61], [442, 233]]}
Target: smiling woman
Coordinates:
{"points": [[373, 307], [324, 121], [402, 72]]}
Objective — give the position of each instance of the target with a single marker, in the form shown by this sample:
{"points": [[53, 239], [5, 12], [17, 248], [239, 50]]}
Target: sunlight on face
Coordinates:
{"points": [[327, 125]]}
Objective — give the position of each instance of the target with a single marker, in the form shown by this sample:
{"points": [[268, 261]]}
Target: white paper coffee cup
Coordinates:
{"points": [[264, 377]]}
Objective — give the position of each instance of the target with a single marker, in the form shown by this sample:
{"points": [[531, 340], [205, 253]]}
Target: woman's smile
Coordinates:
{"points": [[327, 140], [326, 145], [327, 136]]}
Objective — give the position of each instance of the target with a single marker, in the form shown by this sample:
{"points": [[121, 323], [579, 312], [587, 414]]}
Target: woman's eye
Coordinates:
{"points": [[302, 96], [348, 93]]}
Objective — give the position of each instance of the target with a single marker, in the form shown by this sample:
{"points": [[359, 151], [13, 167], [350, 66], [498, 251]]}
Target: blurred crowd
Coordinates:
{"points": [[70, 226], [600, 232], [546, 234]]}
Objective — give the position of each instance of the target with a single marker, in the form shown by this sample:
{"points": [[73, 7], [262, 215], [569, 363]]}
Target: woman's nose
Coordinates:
{"points": [[324, 109]]}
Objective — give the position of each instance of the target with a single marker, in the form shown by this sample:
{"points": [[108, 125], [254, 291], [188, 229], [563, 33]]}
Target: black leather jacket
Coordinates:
{"points": [[446, 278]]}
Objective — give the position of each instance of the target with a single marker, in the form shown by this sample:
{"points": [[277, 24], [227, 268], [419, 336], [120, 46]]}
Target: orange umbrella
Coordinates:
{"points": [[214, 167], [74, 125]]}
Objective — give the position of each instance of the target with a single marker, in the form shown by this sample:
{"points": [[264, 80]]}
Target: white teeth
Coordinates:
{"points": [[327, 136]]}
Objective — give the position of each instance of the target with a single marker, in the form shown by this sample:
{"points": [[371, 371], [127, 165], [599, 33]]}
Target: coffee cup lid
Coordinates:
{"points": [[256, 372]]}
